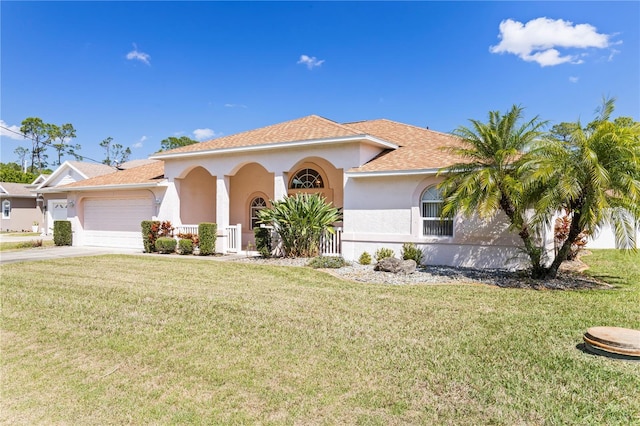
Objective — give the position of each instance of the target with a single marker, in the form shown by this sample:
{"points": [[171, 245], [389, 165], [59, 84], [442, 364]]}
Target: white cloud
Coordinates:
{"points": [[136, 55], [140, 142], [235, 106], [13, 132], [310, 61], [574, 79], [202, 134], [539, 40]]}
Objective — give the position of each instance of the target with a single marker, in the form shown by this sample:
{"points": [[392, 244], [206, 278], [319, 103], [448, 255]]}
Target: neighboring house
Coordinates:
{"points": [[380, 172], [54, 202], [605, 239], [20, 210]]}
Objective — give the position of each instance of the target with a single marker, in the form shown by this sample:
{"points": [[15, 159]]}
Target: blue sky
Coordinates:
{"points": [[142, 71]]}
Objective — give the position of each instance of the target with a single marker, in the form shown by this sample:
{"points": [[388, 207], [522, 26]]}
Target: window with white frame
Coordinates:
{"points": [[6, 209], [306, 178], [257, 204], [431, 209]]}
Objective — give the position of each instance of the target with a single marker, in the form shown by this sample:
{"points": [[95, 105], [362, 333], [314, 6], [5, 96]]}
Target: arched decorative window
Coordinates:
{"points": [[306, 178], [257, 204], [431, 209], [6, 209]]}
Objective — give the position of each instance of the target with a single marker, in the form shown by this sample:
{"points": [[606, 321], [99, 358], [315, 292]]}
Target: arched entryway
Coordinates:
{"points": [[197, 197], [250, 188]]}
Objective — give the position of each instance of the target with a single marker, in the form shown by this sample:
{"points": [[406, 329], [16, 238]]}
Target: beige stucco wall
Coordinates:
{"points": [[385, 212], [197, 191], [23, 213], [251, 181]]}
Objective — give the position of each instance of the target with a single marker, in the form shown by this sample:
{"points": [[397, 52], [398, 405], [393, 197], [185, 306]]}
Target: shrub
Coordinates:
{"points": [[365, 258], [166, 245], [166, 230], [383, 253], [189, 236], [207, 235], [30, 244], [263, 241], [185, 246], [300, 221], [332, 262], [150, 234], [410, 251], [62, 233]]}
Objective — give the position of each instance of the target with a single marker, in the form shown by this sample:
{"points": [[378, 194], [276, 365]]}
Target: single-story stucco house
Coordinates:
{"points": [[20, 209], [381, 173]]}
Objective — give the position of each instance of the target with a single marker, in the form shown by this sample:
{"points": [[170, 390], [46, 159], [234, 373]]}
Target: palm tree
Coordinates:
{"points": [[593, 174], [301, 220], [488, 179]]}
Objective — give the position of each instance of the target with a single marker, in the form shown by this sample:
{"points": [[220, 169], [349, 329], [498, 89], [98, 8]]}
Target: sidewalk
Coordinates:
{"points": [[47, 253]]}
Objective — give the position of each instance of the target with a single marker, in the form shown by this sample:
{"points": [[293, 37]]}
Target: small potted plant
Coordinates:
{"points": [[34, 226]]}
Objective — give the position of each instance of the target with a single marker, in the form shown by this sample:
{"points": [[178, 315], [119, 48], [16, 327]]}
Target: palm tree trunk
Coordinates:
{"points": [[563, 253], [538, 271]]}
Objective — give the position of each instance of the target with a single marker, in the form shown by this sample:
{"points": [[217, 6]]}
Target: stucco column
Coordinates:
{"points": [[279, 186], [222, 211]]}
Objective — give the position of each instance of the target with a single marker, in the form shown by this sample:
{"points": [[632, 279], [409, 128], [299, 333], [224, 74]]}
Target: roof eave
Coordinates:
{"points": [[381, 173], [125, 186], [279, 145]]}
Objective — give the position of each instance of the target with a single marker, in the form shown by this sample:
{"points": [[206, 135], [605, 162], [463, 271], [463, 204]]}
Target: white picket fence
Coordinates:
{"points": [[186, 229], [331, 244], [234, 238], [232, 235]]}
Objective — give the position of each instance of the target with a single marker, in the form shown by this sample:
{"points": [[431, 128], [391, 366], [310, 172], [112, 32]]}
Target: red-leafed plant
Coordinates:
{"points": [[561, 232]]}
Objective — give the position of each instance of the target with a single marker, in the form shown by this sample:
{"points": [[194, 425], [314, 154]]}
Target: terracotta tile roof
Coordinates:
{"points": [[12, 189], [302, 129], [147, 173], [92, 169], [419, 148]]}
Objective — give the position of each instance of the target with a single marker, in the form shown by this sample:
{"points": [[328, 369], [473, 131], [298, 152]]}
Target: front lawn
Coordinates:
{"points": [[21, 245], [134, 339]]}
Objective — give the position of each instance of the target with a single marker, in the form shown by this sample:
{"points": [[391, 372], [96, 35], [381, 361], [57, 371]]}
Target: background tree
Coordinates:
{"points": [[172, 142], [115, 153], [488, 179], [38, 132], [593, 175], [60, 136], [22, 154], [13, 172]]}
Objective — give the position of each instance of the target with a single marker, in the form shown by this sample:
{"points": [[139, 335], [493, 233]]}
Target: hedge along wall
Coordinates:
{"points": [[62, 235], [150, 234], [207, 235]]}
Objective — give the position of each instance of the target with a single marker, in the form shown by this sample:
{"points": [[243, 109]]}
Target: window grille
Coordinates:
{"points": [[431, 209]]}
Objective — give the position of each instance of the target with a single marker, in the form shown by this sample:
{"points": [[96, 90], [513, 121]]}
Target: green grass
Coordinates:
{"points": [[21, 245], [131, 339]]}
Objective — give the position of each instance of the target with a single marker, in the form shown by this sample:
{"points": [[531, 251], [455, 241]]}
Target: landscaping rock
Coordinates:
{"points": [[396, 266]]}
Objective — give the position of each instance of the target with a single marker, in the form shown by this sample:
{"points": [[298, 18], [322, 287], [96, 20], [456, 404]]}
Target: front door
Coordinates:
{"points": [[57, 210]]}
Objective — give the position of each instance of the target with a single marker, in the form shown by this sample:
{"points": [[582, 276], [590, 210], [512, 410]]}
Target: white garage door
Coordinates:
{"points": [[115, 222]]}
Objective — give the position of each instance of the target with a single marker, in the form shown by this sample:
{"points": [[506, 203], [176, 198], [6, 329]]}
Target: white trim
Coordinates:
{"points": [[106, 187], [5, 201], [392, 173], [277, 145], [58, 171]]}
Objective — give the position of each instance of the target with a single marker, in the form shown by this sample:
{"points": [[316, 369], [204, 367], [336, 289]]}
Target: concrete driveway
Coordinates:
{"points": [[46, 253]]}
